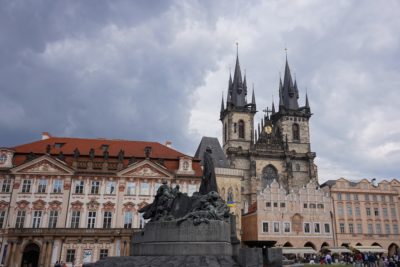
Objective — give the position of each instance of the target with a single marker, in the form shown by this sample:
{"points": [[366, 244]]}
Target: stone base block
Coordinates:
{"points": [[166, 261], [168, 238]]}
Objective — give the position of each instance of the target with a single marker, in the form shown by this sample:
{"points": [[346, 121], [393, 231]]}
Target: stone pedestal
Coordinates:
{"points": [[169, 238]]}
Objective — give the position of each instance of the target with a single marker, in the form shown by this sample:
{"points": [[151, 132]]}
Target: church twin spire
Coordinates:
{"points": [[237, 92]]}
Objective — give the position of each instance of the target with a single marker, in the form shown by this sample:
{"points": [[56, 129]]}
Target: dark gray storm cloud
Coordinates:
{"points": [[155, 70]]}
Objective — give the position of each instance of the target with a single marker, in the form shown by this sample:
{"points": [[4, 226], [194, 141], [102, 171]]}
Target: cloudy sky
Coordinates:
{"points": [[155, 70]]}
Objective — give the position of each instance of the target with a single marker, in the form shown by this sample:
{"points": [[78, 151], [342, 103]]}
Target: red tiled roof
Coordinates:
{"points": [[130, 148]]}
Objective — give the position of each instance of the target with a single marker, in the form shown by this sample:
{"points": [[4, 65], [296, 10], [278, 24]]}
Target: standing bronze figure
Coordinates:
{"points": [[208, 182]]}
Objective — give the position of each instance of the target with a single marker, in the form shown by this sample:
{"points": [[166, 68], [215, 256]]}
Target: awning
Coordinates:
{"points": [[338, 249], [373, 249], [304, 250]]}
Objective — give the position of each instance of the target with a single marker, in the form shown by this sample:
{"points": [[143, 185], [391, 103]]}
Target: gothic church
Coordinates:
{"points": [[278, 148]]}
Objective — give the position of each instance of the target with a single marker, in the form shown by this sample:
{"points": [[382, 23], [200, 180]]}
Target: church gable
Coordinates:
{"points": [[145, 169], [43, 165]]}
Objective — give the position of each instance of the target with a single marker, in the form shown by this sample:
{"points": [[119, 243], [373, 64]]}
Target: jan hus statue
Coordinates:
{"points": [[208, 181]]}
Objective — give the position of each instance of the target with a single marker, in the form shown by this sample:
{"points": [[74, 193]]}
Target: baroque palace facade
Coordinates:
{"points": [[76, 200]]}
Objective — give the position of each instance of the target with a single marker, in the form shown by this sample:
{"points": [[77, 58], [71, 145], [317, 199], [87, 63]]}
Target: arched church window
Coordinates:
{"points": [[241, 129], [225, 133], [230, 196], [296, 132], [269, 174]]}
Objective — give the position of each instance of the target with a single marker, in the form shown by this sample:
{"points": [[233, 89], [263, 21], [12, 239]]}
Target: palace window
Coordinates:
{"points": [[358, 211], [305, 205], [20, 220], [370, 229], [79, 186], [107, 219], [6, 186], [91, 219], [26, 186], [103, 253], [128, 219], [390, 198], [395, 229], [286, 227], [366, 197], [131, 189], [283, 204], [393, 211], [144, 189], [359, 228], [2, 217], [340, 210], [265, 228], [276, 227], [376, 211], [375, 198], [385, 212], [57, 186], [339, 196], [317, 228], [42, 186], [341, 227], [368, 210], [307, 228], [37, 218], [348, 196], [110, 189], [349, 210], [70, 255], [387, 229], [355, 196], [75, 219], [327, 227], [351, 228], [241, 129], [95, 187], [296, 132], [378, 228], [53, 216], [234, 127]]}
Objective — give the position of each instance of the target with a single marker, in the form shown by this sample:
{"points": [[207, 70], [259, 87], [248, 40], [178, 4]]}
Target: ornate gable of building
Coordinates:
{"points": [[145, 168], [55, 205], [128, 206], [22, 204], [109, 206], [39, 204], [43, 165], [76, 205], [3, 205]]}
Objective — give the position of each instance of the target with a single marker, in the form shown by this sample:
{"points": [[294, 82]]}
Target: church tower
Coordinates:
{"points": [[238, 116]]}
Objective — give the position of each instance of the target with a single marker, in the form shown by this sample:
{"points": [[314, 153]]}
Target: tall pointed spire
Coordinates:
{"points": [[289, 90], [308, 109], [239, 90], [253, 101], [273, 106]]}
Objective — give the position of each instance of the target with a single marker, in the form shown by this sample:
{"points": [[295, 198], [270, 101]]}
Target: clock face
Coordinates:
{"points": [[268, 129]]}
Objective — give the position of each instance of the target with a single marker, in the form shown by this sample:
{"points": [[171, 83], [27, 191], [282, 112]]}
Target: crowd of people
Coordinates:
{"points": [[357, 259]]}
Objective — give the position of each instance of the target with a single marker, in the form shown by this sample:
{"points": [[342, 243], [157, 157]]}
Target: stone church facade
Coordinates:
{"points": [[282, 203], [278, 148]]}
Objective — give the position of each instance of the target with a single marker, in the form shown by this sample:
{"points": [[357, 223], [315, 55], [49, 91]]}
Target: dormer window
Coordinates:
{"points": [[104, 147], [58, 145], [186, 165], [3, 158]]}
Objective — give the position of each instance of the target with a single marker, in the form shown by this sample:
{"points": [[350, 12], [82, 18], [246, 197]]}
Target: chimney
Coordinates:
{"points": [[168, 144], [45, 135]]}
